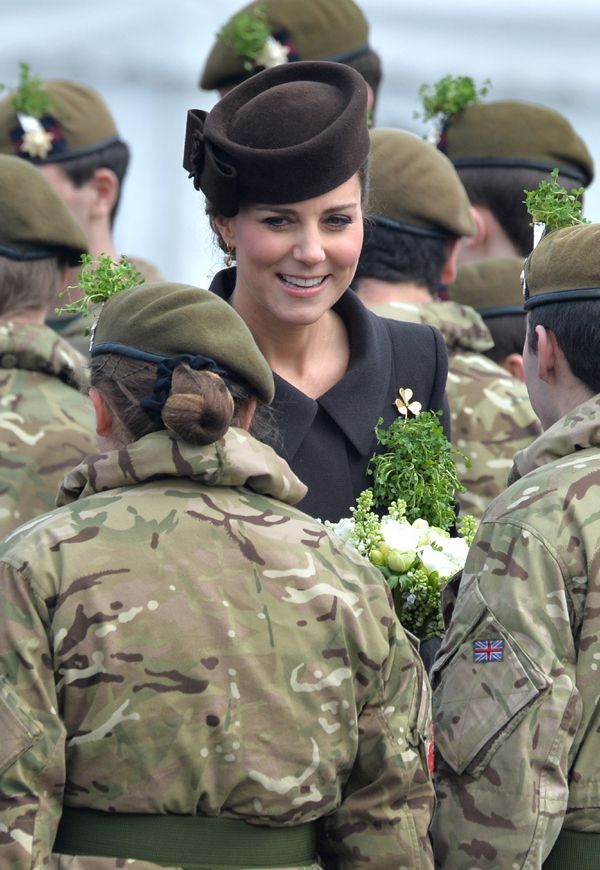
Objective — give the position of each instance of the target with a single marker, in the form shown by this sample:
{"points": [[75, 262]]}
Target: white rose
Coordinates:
{"points": [[344, 528], [436, 561], [399, 536]]}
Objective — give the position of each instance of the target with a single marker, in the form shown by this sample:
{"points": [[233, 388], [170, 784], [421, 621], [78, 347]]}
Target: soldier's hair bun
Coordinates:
{"points": [[200, 407]]}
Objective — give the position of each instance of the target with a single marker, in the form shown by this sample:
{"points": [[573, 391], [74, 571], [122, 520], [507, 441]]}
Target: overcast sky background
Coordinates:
{"points": [[145, 57]]}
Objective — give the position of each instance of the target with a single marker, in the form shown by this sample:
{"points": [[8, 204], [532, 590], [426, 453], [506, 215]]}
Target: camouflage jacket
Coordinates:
{"points": [[492, 417], [516, 703], [46, 423], [177, 638]]}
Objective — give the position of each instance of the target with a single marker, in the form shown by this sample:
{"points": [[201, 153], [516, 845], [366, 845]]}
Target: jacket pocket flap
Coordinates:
{"points": [[18, 729], [485, 688]]}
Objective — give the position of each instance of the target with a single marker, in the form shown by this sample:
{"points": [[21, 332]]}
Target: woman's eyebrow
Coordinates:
{"points": [[285, 209]]}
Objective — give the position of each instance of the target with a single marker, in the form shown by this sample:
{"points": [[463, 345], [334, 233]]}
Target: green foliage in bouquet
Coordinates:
{"points": [[31, 97], [553, 205], [449, 95], [99, 282], [418, 467], [246, 34]]}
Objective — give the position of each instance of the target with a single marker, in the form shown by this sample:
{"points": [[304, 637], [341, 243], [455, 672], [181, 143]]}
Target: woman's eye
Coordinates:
{"points": [[339, 220], [276, 221]]}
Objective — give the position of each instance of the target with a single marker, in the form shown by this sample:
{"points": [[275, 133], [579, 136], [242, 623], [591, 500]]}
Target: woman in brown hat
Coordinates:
{"points": [[179, 689], [282, 161]]}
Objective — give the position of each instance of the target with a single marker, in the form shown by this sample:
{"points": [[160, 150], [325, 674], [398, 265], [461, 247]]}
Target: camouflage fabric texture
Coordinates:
{"points": [[516, 705], [492, 417], [177, 638], [46, 424]]}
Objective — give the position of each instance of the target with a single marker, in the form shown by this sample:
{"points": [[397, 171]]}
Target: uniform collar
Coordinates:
{"points": [[578, 430], [37, 348]]}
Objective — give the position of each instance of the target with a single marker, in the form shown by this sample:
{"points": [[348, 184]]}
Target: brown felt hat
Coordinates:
{"points": [[415, 189], [78, 123], [166, 320], [514, 134], [288, 134], [35, 224], [564, 267], [492, 286], [333, 30]]}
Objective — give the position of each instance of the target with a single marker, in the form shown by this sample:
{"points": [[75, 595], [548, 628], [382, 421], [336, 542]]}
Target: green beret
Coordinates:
{"points": [[35, 223], [513, 134], [310, 29], [415, 188], [78, 123], [166, 320], [492, 286], [564, 267], [288, 134]]}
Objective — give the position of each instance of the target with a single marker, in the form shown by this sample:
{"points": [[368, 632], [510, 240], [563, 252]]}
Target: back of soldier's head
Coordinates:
{"points": [[38, 235], [562, 294], [417, 206], [61, 123], [267, 32], [500, 148], [494, 288]]}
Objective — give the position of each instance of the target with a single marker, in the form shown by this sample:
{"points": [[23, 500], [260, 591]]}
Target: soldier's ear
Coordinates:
{"points": [[450, 266], [513, 363], [546, 354], [248, 413], [104, 414]]}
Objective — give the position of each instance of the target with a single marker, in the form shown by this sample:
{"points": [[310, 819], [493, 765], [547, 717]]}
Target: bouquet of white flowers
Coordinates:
{"points": [[414, 483]]}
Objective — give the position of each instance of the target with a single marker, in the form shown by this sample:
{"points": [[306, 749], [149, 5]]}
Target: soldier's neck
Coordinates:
{"points": [[373, 291]]}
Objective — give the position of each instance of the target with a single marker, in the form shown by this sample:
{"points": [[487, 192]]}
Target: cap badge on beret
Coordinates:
{"points": [[38, 132], [249, 36]]}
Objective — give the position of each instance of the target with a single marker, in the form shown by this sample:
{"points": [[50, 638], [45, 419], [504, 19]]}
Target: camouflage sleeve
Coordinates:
{"points": [[506, 706], [388, 800], [32, 752]]}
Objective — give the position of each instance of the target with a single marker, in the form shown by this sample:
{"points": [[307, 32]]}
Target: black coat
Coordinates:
{"points": [[329, 441]]}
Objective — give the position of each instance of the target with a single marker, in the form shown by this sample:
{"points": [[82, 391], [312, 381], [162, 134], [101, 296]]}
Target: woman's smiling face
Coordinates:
{"points": [[295, 261]]}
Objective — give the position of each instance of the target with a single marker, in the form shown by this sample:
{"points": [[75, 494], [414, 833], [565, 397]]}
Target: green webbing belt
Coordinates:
{"points": [[574, 849], [184, 841]]}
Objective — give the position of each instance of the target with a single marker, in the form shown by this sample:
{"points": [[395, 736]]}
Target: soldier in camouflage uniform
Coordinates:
{"points": [[196, 673], [46, 423], [516, 703], [66, 129], [419, 212]]}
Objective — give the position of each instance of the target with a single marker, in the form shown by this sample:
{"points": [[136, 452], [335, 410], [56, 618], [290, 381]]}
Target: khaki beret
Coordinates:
{"points": [[564, 267], [311, 29], [166, 320], [514, 134], [492, 286], [290, 133], [415, 188], [78, 123], [35, 223]]}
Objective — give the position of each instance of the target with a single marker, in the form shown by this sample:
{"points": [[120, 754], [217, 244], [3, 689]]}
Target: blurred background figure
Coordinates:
{"points": [[66, 130], [268, 32], [501, 148], [418, 215], [46, 423], [495, 289]]}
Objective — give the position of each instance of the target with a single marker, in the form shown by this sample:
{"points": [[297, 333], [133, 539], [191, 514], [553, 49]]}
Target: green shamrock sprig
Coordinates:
{"points": [[246, 34], [553, 205], [31, 97], [449, 95], [99, 282]]}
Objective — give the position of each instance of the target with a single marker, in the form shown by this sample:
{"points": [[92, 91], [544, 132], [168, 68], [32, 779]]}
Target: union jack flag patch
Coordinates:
{"points": [[488, 650]]}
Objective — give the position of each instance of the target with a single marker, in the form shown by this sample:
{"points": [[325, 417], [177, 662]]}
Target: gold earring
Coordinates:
{"points": [[229, 259]]}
